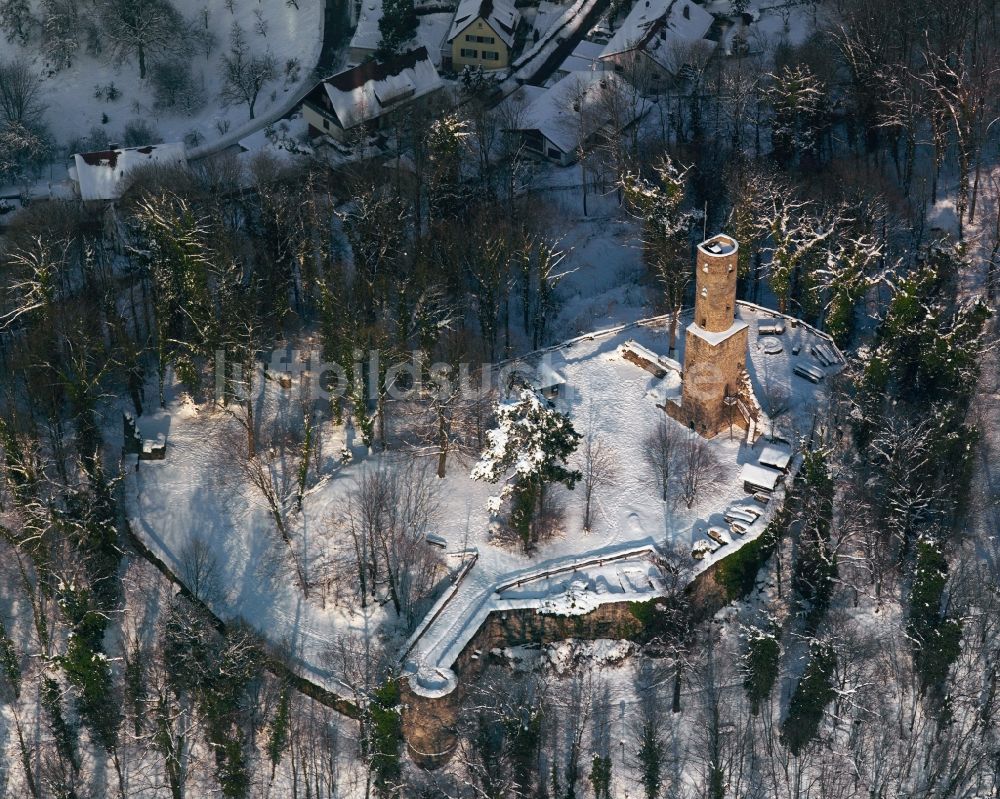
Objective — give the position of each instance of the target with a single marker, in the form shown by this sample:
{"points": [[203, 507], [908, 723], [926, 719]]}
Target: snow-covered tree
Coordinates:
{"points": [[397, 26], [847, 276], [526, 453], [445, 149], [799, 101], [60, 31], [665, 227], [795, 236], [16, 20]]}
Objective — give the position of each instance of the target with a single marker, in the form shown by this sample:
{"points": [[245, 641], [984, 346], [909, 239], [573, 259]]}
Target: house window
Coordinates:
{"points": [[326, 124], [491, 55], [554, 153], [468, 53], [479, 39]]}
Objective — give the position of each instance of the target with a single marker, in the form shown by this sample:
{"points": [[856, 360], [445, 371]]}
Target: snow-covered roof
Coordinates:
{"points": [[660, 27], [584, 57], [716, 338], [367, 91], [500, 15], [571, 109], [101, 174], [775, 456], [367, 35], [760, 476], [547, 377]]}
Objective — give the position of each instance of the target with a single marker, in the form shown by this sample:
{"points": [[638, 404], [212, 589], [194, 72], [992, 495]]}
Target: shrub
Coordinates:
{"points": [[138, 133], [174, 87]]}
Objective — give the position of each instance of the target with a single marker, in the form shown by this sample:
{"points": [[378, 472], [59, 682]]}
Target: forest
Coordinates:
{"points": [[851, 650]]}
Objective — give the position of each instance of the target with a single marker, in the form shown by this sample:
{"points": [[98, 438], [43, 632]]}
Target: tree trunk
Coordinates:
{"points": [[442, 445]]}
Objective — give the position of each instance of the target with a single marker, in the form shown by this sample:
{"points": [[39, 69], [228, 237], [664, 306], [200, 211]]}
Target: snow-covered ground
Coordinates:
{"points": [[73, 110], [195, 495]]}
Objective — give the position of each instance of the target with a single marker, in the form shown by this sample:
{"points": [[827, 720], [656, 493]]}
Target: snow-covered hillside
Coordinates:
{"points": [[94, 97]]}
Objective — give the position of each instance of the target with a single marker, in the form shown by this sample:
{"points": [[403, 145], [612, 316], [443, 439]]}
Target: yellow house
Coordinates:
{"points": [[482, 34]]}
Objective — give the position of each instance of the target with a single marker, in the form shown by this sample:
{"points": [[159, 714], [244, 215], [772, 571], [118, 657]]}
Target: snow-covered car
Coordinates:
{"points": [[739, 527], [775, 328], [811, 373]]}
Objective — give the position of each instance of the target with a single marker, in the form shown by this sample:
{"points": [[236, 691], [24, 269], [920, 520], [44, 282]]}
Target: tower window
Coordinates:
{"points": [[703, 321]]}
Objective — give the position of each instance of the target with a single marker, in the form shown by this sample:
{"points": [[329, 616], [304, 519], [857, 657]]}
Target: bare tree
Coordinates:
{"points": [[698, 468], [20, 94], [599, 471], [199, 569], [140, 28], [659, 451], [245, 74], [389, 512]]}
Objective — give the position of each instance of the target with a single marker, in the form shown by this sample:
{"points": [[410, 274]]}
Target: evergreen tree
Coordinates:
{"points": [[813, 693], [760, 665], [801, 115], [935, 635], [535, 441], [397, 25]]}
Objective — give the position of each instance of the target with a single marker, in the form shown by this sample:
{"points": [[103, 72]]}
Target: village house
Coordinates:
{"points": [[361, 97], [482, 34], [102, 175], [658, 39], [579, 108]]}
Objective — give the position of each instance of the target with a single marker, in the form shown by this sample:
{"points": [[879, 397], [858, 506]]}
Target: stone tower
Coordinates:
{"points": [[715, 344]]}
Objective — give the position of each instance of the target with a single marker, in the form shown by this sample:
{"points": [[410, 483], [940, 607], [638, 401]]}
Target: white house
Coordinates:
{"points": [[101, 175], [580, 107], [659, 38], [363, 95]]}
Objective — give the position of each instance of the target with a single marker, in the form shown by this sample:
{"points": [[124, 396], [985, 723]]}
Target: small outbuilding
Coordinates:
{"points": [[760, 478], [102, 175], [548, 382], [775, 456]]}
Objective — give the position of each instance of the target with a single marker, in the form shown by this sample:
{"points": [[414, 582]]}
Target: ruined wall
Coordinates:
{"points": [[429, 724]]}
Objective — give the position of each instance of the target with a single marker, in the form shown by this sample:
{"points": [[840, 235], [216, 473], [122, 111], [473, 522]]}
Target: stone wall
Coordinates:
{"points": [[710, 371], [429, 724], [715, 286]]}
